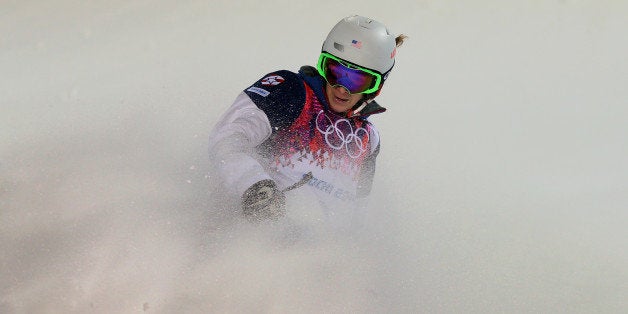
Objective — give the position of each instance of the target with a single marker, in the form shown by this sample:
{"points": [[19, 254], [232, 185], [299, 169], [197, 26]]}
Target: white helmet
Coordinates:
{"points": [[364, 42]]}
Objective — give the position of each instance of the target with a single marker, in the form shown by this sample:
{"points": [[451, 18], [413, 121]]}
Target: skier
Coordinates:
{"points": [[308, 131]]}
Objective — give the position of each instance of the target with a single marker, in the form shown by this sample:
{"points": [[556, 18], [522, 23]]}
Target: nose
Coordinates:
{"points": [[342, 89]]}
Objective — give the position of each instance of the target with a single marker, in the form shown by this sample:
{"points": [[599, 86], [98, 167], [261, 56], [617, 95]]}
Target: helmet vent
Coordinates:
{"points": [[339, 46]]}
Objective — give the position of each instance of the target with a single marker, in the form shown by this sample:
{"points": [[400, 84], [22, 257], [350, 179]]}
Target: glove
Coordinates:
{"points": [[263, 200]]}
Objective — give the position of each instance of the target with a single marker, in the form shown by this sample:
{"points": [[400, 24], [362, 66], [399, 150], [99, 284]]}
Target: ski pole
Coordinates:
{"points": [[306, 178]]}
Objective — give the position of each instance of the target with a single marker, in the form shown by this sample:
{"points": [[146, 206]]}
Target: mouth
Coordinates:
{"points": [[338, 99]]}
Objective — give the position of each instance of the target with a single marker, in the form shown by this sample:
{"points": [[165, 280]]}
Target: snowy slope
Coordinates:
{"points": [[501, 184]]}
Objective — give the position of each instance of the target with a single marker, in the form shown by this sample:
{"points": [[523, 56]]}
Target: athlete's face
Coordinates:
{"points": [[340, 100]]}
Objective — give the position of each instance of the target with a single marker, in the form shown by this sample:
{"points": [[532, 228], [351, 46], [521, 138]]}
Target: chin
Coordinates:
{"points": [[339, 108]]}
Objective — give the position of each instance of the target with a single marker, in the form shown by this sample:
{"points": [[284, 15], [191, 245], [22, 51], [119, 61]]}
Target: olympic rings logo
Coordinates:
{"points": [[340, 134]]}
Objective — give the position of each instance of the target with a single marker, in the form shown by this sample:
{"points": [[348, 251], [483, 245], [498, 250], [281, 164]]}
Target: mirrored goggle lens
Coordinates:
{"points": [[355, 80]]}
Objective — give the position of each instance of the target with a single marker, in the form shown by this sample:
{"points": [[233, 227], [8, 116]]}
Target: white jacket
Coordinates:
{"points": [[254, 141]]}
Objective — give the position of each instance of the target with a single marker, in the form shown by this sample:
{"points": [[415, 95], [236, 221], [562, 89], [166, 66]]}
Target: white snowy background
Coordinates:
{"points": [[502, 184]]}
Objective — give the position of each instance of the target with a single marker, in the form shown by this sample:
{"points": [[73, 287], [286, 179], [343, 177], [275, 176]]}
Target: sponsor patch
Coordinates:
{"points": [[260, 91], [272, 80]]}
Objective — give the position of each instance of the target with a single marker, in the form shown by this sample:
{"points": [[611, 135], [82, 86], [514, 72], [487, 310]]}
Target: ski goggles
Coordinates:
{"points": [[356, 79]]}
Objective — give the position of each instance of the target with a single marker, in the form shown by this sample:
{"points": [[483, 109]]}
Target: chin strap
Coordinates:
{"points": [[365, 108], [355, 111]]}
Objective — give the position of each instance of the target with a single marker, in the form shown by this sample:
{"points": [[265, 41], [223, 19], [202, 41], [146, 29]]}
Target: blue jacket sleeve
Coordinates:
{"points": [[281, 95]]}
